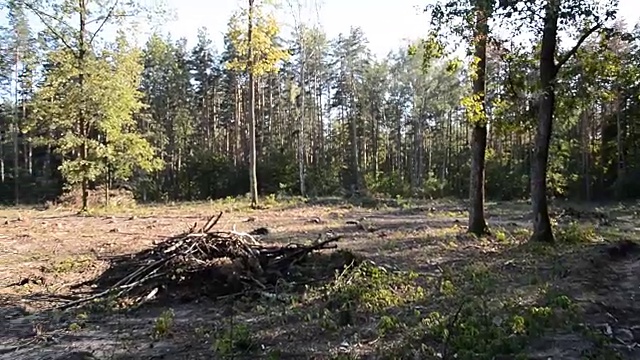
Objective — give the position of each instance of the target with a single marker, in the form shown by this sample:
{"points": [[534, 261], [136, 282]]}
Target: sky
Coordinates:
{"points": [[386, 23]]}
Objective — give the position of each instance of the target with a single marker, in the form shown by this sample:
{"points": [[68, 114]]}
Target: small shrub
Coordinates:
{"points": [[388, 324], [163, 324], [575, 233], [372, 288], [68, 265], [233, 340]]}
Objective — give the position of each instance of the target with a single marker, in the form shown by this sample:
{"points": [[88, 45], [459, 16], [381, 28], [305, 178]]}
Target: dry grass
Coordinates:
{"points": [[423, 288]]}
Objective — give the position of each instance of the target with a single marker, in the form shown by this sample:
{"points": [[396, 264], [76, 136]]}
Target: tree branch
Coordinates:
{"points": [[104, 21], [41, 15], [502, 51], [575, 48]]}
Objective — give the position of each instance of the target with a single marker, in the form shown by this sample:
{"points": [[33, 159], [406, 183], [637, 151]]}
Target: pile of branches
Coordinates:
{"points": [[202, 262]]}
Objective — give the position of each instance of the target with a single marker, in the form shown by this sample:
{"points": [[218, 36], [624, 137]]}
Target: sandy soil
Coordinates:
{"points": [[43, 254]]}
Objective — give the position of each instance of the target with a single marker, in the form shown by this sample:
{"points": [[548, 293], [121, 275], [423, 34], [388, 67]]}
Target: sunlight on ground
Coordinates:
{"points": [[406, 282]]}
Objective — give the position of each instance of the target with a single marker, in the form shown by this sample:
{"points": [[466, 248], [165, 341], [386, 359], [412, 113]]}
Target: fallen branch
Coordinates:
{"points": [[216, 263]]}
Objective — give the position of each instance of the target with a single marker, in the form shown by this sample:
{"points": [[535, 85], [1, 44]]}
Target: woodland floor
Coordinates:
{"points": [[422, 288]]}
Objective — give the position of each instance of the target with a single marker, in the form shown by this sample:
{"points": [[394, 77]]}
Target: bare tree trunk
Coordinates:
{"points": [[253, 179], [320, 119], [620, 168], [84, 128], [14, 133], [301, 152], [236, 124], [541, 222], [585, 143], [2, 165], [376, 134], [355, 165]]}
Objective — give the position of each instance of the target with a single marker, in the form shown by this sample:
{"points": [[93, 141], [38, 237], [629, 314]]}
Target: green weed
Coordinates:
{"points": [[234, 340]]}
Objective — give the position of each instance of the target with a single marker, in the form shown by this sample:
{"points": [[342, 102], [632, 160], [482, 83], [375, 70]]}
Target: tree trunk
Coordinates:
{"points": [[301, 152], [253, 179], [541, 222], [620, 168], [319, 114], [2, 166], [84, 151], [236, 125], [107, 187], [376, 135], [477, 222], [355, 166], [14, 134]]}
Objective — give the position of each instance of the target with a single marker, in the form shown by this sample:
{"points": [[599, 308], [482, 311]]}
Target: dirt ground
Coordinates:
{"points": [[422, 288]]}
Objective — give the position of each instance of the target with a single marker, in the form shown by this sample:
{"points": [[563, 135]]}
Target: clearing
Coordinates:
{"points": [[405, 282]]}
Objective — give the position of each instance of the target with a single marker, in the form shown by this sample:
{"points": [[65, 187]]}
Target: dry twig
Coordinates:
{"points": [[218, 263]]}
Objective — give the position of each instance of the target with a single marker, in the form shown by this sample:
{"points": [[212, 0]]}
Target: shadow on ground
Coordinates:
{"points": [[178, 323]]}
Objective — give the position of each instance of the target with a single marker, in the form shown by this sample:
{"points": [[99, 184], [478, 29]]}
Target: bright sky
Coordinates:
{"points": [[385, 22]]}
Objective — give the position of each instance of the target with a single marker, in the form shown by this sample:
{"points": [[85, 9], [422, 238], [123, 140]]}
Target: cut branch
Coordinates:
{"points": [[201, 262]]}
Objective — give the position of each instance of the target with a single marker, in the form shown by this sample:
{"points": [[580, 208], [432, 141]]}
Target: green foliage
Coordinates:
{"points": [[324, 180], [391, 185], [388, 324], [266, 51], [163, 324], [212, 176], [474, 109], [169, 121], [372, 289], [234, 340], [477, 325], [575, 233], [430, 49], [107, 101], [278, 174]]}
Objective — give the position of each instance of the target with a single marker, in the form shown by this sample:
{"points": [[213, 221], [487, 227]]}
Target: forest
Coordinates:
{"points": [[170, 122], [294, 195]]}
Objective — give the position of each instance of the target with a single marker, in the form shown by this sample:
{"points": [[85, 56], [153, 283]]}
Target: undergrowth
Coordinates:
{"points": [[477, 318], [472, 311], [469, 312]]}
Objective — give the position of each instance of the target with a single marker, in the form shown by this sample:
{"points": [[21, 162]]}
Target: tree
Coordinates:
{"points": [[458, 15], [253, 179], [399, 125], [124, 149], [477, 222], [207, 77], [300, 34], [258, 53], [23, 63], [555, 11], [351, 59], [78, 75]]}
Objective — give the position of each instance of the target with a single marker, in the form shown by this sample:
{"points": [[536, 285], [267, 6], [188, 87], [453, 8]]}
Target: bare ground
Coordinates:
{"points": [[425, 290]]}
